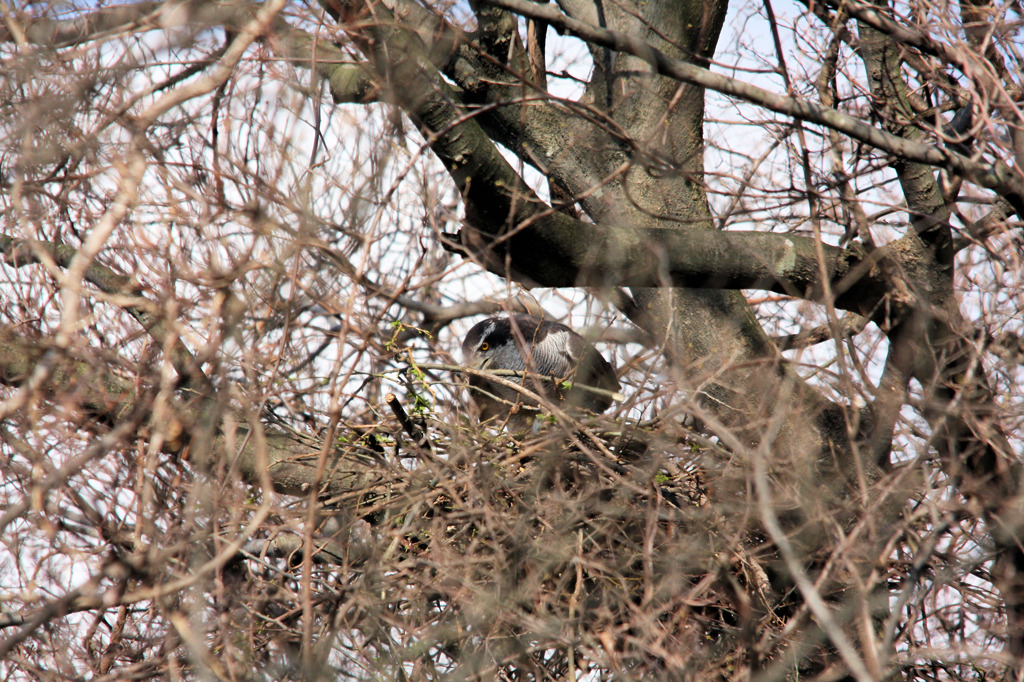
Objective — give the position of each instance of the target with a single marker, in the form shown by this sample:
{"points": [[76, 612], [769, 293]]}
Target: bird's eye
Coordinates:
{"points": [[485, 346]]}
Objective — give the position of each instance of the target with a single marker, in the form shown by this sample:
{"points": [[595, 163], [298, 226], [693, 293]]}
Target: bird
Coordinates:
{"points": [[525, 343]]}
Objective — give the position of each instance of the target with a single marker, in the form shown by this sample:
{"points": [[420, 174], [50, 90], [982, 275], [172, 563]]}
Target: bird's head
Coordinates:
{"points": [[492, 343]]}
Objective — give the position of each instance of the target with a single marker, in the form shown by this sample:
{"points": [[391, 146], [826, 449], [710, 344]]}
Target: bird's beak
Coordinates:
{"points": [[477, 362]]}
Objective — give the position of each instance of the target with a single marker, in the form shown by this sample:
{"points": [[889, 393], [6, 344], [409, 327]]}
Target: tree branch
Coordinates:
{"points": [[995, 176], [548, 248], [290, 463], [43, 31], [849, 326], [19, 253]]}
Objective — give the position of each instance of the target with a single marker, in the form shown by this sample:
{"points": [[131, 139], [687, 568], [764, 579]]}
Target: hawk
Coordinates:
{"points": [[556, 353]]}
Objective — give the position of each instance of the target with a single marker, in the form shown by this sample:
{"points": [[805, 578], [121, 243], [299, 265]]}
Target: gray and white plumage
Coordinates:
{"points": [[550, 349]]}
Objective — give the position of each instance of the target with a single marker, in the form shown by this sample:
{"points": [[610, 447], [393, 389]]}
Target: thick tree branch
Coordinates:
{"points": [[849, 326], [996, 176], [556, 250], [994, 222], [85, 27], [290, 463], [878, 18], [929, 213], [926, 344], [100, 392], [548, 248], [20, 253]]}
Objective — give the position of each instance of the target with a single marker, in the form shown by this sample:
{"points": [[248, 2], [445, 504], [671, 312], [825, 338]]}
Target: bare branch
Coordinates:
{"points": [[849, 326], [80, 29], [129, 296], [997, 176]]}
